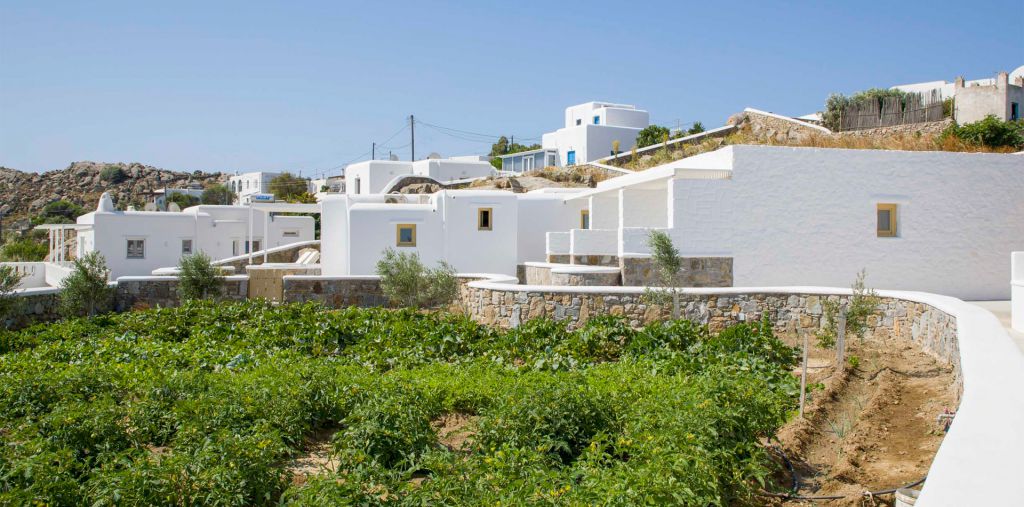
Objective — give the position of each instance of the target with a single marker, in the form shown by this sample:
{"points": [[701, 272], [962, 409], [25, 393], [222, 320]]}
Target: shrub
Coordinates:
{"points": [[650, 135], [199, 278], [287, 186], [24, 249], [182, 200], [85, 290], [113, 174], [863, 303], [697, 128], [58, 212], [406, 281], [837, 102], [218, 194], [9, 280], [667, 264], [990, 132]]}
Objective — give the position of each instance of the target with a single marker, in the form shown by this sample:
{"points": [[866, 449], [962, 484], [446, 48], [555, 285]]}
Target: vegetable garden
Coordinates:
{"points": [[208, 404]]}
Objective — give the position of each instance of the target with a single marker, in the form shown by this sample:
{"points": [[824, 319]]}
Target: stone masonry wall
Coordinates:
{"points": [[33, 308], [926, 128], [163, 291], [335, 292], [697, 272], [795, 314]]}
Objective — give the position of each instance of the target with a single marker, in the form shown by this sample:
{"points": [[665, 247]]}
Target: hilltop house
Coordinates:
{"points": [[380, 176], [246, 185], [1001, 97], [589, 133], [138, 242]]}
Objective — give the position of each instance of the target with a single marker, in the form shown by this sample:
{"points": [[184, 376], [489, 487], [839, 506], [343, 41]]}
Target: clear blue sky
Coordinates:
{"points": [[226, 86]]}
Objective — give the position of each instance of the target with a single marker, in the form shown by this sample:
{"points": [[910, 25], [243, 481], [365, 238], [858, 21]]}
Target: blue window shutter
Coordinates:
{"points": [[597, 120]]}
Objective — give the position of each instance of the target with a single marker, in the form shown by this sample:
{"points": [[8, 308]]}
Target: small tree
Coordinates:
{"points": [[183, 200], [85, 290], [218, 194], [697, 128], [650, 135], [24, 249], [862, 304], [9, 280], [113, 174], [405, 280], [199, 278], [58, 212], [286, 186], [668, 265]]}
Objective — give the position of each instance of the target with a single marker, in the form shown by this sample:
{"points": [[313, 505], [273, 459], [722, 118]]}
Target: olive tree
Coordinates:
{"points": [[406, 281], [86, 291], [199, 278], [668, 265]]}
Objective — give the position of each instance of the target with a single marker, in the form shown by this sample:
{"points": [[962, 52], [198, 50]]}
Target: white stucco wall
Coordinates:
{"points": [[1017, 291], [445, 170], [373, 175], [212, 229], [807, 216]]}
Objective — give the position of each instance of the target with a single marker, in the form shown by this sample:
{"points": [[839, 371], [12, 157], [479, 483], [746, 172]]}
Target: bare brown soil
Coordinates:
{"points": [[455, 430], [316, 458], [870, 426]]}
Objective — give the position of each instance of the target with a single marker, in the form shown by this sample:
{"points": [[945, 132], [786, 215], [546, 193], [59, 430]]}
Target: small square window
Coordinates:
{"points": [[405, 235], [579, 121], [585, 219], [136, 249], [886, 220], [597, 120], [483, 219], [186, 247]]}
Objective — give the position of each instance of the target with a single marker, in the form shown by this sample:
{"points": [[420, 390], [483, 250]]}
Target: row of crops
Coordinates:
{"points": [[208, 404]]}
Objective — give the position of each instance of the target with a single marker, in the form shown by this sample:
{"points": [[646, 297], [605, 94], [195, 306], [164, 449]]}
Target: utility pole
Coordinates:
{"points": [[373, 152], [412, 134], [512, 142]]}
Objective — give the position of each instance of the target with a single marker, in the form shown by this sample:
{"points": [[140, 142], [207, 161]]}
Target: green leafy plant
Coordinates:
{"points": [[9, 304], [113, 174], [23, 249], [214, 403], [218, 194], [651, 135], [85, 292], [199, 278], [286, 186], [697, 128], [182, 200], [668, 265], [862, 304], [58, 212], [407, 282], [990, 132]]}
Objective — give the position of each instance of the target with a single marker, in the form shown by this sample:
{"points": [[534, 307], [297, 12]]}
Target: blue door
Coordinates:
{"points": [[570, 158]]}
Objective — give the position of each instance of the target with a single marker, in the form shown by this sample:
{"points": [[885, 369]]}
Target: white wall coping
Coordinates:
{"points": [[297, 244], [158, 278], [556, 267], [36, 291], [978, 460], [281, 265]]}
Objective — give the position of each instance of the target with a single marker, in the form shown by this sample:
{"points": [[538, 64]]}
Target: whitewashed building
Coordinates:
{"points": [[245, 185], [930, 221], [138, 242], [590, 132], [378, 176], [488, 231]]}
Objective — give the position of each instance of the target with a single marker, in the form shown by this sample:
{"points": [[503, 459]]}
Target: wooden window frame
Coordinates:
{"points": [[585, 219], [893, 209], [398, 235], [480, 219]]}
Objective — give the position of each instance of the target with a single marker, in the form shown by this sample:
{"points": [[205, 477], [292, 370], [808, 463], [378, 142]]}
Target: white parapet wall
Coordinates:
{"points": [[1017, 291]]}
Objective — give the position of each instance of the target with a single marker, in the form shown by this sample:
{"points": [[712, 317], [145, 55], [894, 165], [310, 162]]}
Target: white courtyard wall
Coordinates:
{"points": [[806, 216]]}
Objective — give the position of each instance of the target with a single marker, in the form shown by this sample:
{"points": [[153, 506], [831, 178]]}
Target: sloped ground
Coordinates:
{"points": [[870, 427]]}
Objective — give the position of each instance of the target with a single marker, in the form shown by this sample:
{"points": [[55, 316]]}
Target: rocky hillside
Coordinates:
{"points": [[23, 194]]}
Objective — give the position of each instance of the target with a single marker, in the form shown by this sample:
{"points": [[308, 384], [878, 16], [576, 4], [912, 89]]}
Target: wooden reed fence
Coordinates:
{"points": [[890, 111]]}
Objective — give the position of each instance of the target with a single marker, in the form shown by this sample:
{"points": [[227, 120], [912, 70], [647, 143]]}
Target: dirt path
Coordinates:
{"points": [[872, 426]]}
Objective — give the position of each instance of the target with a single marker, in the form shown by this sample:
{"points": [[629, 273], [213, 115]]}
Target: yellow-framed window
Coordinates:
{"points": [[585, 219], [484, 219], [405, 235], [886, 215]]}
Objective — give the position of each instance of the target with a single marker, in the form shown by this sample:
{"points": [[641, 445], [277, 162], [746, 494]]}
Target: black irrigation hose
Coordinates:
{"points": [[796, 485]]}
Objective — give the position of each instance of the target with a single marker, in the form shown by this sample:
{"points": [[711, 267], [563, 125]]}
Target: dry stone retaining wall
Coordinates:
{"points": [[926, 128], [152, 291], [335, 292], [35, 306], [697, 272], [932, 329]]}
